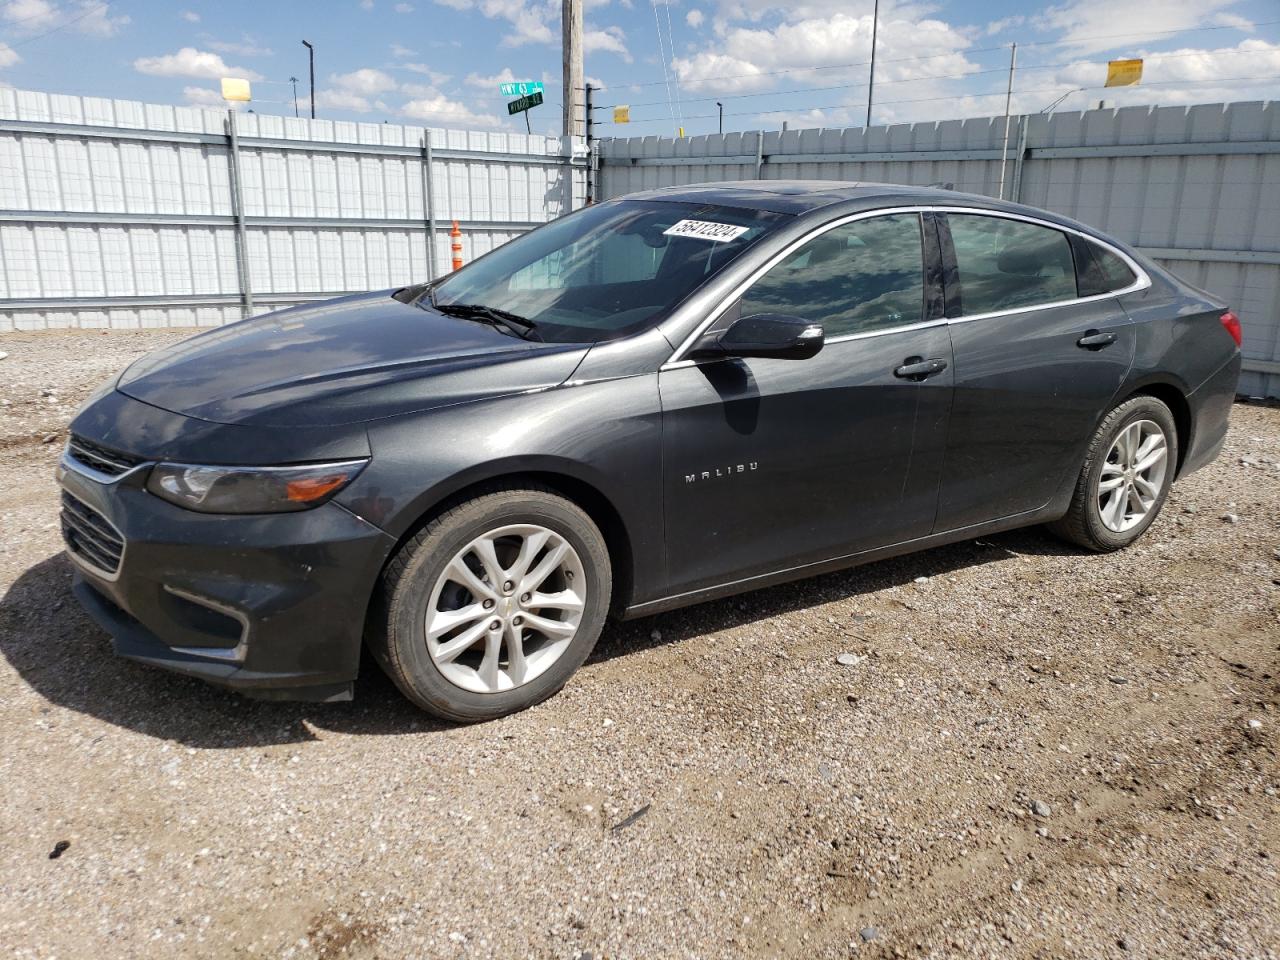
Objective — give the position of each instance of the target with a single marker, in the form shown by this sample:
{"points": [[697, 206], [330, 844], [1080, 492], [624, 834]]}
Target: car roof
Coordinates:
{"points": [[799, 197], [791, 196]]}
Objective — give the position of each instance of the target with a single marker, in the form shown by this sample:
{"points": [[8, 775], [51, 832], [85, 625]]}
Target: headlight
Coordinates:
{"points": [[251, 489]]}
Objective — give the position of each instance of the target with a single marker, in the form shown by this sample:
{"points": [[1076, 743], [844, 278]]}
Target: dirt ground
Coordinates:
{"points": [[1036, 753]]}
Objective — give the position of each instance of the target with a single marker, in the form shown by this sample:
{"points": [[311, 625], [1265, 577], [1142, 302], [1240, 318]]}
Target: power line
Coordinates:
{"points": [[671, 45], [935, 56], [44, 13], [974, 96], [657, 26], [947, 76], [88, 11]]}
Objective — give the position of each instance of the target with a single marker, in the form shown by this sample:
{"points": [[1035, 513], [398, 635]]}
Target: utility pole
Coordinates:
{"points": [[294, 82], [571, 54], [721, 106], [871, 76], [311, 56], [1008, 104]]}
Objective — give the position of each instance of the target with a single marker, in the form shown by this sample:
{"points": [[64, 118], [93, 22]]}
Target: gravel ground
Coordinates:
{"points": [[1032, 753]]}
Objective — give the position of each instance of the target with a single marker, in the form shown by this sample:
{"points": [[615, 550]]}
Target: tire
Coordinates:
{"points": [[1085, 523], [446, 572]]}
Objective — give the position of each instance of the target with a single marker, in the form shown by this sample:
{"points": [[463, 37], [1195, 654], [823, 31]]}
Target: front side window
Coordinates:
{"points": [[864, 276], [608, 270], [1006, 264]]}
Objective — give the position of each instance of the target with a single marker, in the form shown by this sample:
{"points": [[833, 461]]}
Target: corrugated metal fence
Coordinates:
{"points": [[1197, 188], [122, 214]]}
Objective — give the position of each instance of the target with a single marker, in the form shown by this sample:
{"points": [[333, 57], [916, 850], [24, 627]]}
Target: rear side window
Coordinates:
{"points": [[1007, 264], [1098, 269], [864, 276]]}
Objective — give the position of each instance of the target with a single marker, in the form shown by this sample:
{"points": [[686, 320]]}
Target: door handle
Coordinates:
{"points": [[916, 368], [1093, 340]]}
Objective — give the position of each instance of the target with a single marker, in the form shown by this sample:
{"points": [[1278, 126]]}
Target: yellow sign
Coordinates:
{"points": [[622, 113], [233, 88], [1123, 73]]}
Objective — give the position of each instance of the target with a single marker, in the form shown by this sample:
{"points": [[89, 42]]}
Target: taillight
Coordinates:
{"points": [[1231, 323]]}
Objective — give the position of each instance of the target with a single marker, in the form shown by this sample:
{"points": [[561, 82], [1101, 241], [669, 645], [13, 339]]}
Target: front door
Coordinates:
{"points": [[772, 463], [1036, 364]]}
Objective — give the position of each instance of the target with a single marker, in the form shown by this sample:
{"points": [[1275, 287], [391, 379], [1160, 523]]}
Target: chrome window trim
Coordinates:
{"points": [[1143, 281]]}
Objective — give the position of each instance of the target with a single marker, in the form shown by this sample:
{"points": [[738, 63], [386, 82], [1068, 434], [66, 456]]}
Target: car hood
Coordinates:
{"points": [[343, 361]]}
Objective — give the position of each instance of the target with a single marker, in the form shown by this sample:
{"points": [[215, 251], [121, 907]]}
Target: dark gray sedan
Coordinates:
{"points": [[652, 402]]}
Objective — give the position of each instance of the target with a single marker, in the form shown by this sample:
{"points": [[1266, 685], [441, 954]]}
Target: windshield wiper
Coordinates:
{"points": [[513, 323]]}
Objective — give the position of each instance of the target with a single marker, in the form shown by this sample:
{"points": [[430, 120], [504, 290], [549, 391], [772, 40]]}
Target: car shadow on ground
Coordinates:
{"points": [[67, 659]]}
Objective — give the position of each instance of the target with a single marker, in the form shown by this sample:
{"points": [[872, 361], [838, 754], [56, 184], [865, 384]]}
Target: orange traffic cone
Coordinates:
{"points": [[455, 236]]}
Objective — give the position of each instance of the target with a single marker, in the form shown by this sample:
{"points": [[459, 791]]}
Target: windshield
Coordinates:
{"points": [[608, 270]]}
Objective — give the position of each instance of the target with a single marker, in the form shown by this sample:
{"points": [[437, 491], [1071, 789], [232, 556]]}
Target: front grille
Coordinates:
{"points": [[110, 462], [90, 536]]}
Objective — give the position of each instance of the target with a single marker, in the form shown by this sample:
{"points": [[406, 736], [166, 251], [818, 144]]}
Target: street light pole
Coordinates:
{"points": [[294, 82], [721, 106], [871, 77], [311, 56]]}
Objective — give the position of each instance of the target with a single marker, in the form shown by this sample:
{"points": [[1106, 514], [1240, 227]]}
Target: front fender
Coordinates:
{"points": [[604, 435]]}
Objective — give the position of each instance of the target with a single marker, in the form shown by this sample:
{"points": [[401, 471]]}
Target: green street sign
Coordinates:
{"points": [[521, 88], [524, 103]]}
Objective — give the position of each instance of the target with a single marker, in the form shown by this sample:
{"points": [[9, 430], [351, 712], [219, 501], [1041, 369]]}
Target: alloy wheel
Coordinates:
{"points": [[505, 608], [1133, 475]]}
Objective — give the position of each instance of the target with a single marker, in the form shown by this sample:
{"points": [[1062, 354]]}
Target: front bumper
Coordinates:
{"points": [[272, 605]]}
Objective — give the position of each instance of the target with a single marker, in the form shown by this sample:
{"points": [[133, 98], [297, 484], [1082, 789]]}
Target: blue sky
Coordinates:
{"points": [[438, 62]]}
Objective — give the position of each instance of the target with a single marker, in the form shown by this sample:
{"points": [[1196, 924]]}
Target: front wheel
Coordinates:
{"points": [[493, 605], [1125, 478]]}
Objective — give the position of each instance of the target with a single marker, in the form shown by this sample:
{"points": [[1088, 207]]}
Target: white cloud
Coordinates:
{"points": [[1185, 75], [404, 8], [246, 48], [8, 56], [1233, 20], [30, 14], [95, 18], [343, 100], [694, 18], [1096, 25], [92, 17], [366, 4], [191, 17], [531, 20], [437, 108], [1003, 24], [365, 82], [749, 58], [610, 39], [190, 62], [436, 76], [203, 97], [489, 82], [400, 52]]}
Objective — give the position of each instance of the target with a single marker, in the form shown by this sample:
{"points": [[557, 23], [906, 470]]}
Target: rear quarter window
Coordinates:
{"points": [[1098, 269]]}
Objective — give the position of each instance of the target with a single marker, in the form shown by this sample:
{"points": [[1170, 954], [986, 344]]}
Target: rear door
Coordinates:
{"points": [[1039, 354], [771, 463]]}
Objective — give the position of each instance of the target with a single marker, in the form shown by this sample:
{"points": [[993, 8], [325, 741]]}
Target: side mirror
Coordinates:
{"points": [[774, 335]]}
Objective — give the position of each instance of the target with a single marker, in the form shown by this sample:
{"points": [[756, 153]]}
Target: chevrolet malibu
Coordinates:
{"points": [[652, 402]]}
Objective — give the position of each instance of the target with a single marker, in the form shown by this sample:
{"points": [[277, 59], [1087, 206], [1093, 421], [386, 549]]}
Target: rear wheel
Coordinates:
{"points": [[493, 605], [1125, 477]]}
